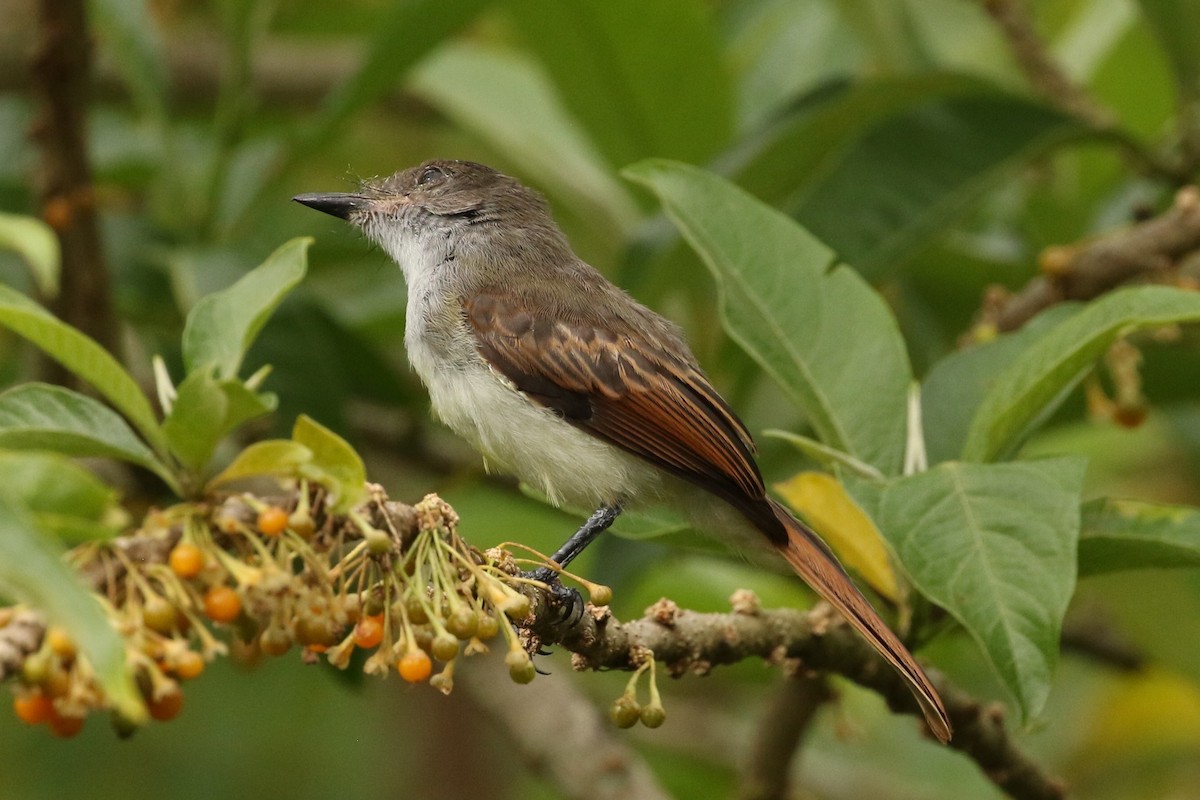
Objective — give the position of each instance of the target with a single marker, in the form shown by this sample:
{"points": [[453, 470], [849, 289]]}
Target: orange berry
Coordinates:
{"points": [[316, 648], [186, 560], [33, 708], [272, 521], [415, 666], [222, 604], [166, 707], [188, 664], [369, 632], [65, 727]]}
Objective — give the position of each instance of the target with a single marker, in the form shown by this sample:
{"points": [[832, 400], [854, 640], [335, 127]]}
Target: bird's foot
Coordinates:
{"points": [[566, 601]]}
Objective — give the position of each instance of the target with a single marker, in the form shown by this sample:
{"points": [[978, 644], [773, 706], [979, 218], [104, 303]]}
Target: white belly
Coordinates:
{"points": [[518, 437]]}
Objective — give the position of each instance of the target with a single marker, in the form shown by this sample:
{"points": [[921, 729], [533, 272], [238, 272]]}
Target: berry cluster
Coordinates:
{"points": [[278, 576]]}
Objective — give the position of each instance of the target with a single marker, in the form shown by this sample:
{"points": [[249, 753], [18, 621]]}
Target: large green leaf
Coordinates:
{"points": [[82, 356], [1133, 534], [623, 68], [1035, 384], [32, 571], [37, 245], [957, 384], [222, 325], [816, 327], [995, 545], [896, 183], [38, 416]]}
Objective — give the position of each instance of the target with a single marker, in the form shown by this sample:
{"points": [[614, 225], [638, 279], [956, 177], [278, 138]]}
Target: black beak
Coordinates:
{"points": [[336, 204]]}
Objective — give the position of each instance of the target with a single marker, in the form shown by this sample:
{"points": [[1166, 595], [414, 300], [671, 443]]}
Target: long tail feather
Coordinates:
{"points": [[812, 561]]}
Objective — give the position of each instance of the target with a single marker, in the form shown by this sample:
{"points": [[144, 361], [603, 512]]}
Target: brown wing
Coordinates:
{"points": [[625, 384]]}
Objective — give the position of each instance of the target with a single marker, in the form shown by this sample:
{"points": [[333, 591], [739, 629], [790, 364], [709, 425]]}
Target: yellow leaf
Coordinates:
{"points": [[844, 527], [1154, 711]]}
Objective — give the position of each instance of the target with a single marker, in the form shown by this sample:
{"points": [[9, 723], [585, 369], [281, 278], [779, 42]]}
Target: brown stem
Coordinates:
{"points": [[789, 713], [1043, 73], [687, 641], [61, 73], [1159, 249]]}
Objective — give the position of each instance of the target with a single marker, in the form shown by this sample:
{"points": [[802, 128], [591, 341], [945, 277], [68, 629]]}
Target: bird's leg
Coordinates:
{"points": [[568, 599], [596, 524]]}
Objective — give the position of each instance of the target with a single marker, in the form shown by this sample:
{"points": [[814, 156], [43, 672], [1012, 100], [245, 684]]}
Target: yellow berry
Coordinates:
{"points": [[188, 665]]}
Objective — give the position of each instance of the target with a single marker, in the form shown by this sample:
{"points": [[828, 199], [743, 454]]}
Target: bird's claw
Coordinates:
{"points": [[568, 602]]}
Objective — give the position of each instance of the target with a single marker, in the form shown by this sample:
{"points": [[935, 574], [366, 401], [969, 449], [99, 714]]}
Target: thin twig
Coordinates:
{"points": [[1160, 249], [1041, 70]]}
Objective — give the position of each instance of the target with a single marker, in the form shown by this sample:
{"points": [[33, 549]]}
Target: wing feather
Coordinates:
{"points": [[622, 384]]}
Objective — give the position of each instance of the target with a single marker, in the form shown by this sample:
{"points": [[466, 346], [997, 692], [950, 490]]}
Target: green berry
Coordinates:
{"points": [[444, 647], [653, 716], [625, 711], [463, 623], [520, 666]]}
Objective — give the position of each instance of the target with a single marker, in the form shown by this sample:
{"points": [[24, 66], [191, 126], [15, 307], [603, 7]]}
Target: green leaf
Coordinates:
{"points": [[1176, 23], [893, 185], [44, 482], [197, 418], [133, 43], [38, 416], [1030, 388], [32, 571], [621, 68], [272, 457], [334, 463], [64, 498], [957, 384], [828, 457], [222, 325], [995, 545], [82, 356], [37, 245], [421, 25], [1133, 534], [818, 329], [204, 411]]}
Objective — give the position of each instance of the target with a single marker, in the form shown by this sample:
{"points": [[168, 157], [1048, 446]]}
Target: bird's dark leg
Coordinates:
{"points": [[568, 600], [596, 524]]}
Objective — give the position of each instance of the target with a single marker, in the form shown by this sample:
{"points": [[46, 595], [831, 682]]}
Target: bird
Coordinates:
{"points": [[561, 378]]}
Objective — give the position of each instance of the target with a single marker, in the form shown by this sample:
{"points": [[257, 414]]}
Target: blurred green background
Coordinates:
{"points": [[902, 132]]}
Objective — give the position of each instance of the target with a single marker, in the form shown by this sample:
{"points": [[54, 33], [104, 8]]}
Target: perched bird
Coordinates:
{"points": [[562, 379]]}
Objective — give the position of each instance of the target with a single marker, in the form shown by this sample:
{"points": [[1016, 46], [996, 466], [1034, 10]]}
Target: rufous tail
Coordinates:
{"points": [[813, 561]]}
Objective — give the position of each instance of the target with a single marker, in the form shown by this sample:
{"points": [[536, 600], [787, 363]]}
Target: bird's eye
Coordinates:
{"points": [[429, 175]]}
